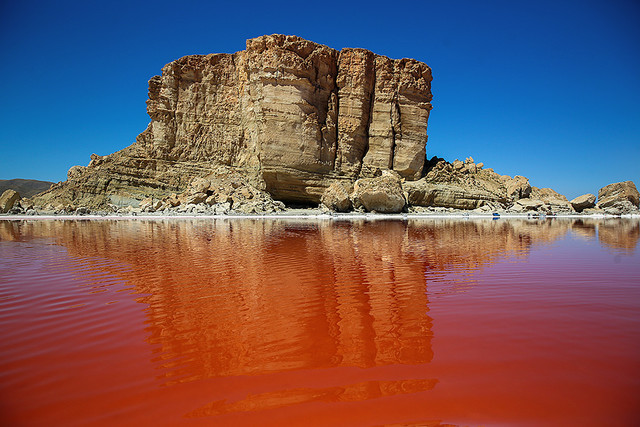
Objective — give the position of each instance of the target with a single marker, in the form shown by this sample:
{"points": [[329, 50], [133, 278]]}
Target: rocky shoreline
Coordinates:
{"points": [[289, 123], [310, 213], [447, 189]]}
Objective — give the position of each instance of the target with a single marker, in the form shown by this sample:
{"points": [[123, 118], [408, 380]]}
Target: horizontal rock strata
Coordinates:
{"points": [[618, 192], [291, 115]]}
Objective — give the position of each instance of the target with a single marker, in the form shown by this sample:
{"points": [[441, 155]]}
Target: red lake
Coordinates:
{"points": [[427, 321]]}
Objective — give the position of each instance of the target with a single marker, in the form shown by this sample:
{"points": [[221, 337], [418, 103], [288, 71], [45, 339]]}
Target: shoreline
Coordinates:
{"points": [[319, 216]]}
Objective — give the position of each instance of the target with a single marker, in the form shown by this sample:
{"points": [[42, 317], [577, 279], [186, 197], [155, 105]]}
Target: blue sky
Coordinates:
{"points": [[545, 89]]}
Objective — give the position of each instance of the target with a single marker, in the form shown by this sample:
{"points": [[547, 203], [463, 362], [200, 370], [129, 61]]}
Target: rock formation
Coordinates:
{"points": [[8, 199], [290, 115], [289, 120], [459, 185], [381, 194], [337, 198], [618, 192], [583, 202]]}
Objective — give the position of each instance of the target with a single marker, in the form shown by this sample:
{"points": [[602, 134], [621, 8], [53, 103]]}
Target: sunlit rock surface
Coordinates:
{"points": [[291, 115]]}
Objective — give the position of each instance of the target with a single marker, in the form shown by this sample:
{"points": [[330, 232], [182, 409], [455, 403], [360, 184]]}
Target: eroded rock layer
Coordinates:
{"points": [[291, 115]]}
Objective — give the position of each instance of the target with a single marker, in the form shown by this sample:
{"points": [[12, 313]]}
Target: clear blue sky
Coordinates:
{"points": [[545, 89]]}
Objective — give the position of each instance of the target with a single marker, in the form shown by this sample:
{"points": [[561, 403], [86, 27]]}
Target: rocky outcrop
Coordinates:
{"points": [[7, 200], [456, 196], [290, 115], [458, 185], [583, 202], [552, 200], [518, 187], [618, 192]]}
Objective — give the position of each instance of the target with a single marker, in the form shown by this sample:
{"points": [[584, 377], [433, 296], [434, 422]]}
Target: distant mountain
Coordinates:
{"points": [[26, 187]]}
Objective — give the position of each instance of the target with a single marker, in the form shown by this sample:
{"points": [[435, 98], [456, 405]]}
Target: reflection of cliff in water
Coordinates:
{"points": [[242, 297]]}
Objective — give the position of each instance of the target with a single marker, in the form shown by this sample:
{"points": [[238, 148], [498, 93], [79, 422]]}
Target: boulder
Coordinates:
{"points": [[461, 185], [621, 207], [583, 202], [82, 210], [518, 187], [380, 194], [617, 192], [8, 199], [530, 204], [554, 201], [448, 195], [336, 198], [150, 205], [194, 198]]}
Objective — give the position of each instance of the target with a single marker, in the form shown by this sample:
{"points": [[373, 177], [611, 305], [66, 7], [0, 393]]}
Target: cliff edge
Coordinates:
{"points": [[290, 115]]}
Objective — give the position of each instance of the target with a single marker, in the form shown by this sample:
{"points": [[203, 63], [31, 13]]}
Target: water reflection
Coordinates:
{"points": [[231, 298]]}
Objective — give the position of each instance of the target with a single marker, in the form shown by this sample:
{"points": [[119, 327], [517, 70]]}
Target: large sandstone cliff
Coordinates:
{"points": [[290, 115]]}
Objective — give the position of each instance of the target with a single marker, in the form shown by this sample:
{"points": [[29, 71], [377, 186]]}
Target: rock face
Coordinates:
{"points": [[518, 187], [618, 192], [7, 200], [291, 115]]}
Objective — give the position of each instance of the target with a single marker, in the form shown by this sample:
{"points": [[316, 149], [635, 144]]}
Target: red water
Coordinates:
{"points": [[319, 322]]}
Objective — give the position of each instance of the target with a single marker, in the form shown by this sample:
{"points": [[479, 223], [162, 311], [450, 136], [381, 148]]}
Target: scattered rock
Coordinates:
{"points": [[530, 204], [583, 202], [464, 186], [554, 202], [82, 210], [150, 205]]}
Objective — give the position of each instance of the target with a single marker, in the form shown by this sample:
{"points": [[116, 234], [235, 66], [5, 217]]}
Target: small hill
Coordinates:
{"points": [[26, 187]]}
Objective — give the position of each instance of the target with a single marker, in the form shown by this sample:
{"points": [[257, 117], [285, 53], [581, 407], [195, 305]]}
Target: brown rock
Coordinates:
{"points": [[617, 192], [518, 187], [291, 116], [547, 195], [460, 185], [583, 202], [381, 194], [336, 198], [172, 200], [8, 199], [449, 195], [530, 204], [355, 81], [399, 114], [555, 201], [75, 171]]}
